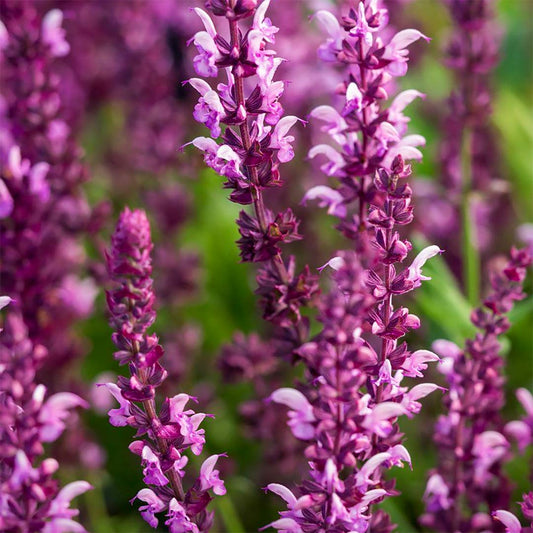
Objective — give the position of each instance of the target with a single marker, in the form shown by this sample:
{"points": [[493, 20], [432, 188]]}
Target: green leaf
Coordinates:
{"points": [[441, 301]]}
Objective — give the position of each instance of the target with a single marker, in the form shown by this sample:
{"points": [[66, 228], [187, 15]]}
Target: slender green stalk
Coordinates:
{"points": [[96, 507], [471, 261], [228, 514]]}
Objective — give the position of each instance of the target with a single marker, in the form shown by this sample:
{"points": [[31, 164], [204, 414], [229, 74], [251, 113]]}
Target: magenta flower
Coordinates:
{"points": [[153, 505], [209, 476], [172, 429], [471, 436]]}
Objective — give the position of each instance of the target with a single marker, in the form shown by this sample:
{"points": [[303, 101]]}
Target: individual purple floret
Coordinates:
{"points": [[366, 134], [252, 145], [521, 431], [469, 480], [30, 497], [166, 433]]}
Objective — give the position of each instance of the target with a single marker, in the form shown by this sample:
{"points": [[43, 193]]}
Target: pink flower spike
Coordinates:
{"points": [[509, 520], [54, 411], [327, 197], [301, 416], [209, 478]]}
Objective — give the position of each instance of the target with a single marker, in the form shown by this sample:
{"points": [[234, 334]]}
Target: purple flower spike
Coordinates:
{"points": [[347, 412], [247, 115], [30, 499], [172, 430], [366, 134], [472, 439]]}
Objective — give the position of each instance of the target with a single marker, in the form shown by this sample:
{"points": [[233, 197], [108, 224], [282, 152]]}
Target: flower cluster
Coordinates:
{"points": [[471, 435], [43, 212], [172, 430], [367, 135], [347, 415], [30, 498], [347, 412], [254, 143]]}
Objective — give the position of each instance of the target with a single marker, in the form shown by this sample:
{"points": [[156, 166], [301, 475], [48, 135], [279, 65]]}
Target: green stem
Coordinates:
{"points": [[471, 261], [96, 507], [228, 514]]}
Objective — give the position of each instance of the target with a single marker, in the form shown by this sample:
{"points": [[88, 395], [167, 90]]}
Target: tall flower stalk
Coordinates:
{"points": [[169, 430], [43, 211], [254, 143], [366, 134], [471, 435], [30, 497], [471, 187], [348, 409]]}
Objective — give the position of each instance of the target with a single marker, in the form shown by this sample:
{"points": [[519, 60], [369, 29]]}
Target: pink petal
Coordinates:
{"points": [[208, 23], [509, 520]]}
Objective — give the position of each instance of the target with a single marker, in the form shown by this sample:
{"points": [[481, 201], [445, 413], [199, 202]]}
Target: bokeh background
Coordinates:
{"points": [[123, 83]]}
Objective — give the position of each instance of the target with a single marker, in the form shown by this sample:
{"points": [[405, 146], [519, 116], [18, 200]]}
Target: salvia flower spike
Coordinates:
{"points": [[248, 152], [165, 433], [472, 439]]}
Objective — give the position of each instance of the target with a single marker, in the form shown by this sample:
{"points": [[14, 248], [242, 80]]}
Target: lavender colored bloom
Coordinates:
{"points": [[255, 141], [471, 436], [172, 429], [366, 134], [43, 209], [348, 409], [30, 499]]}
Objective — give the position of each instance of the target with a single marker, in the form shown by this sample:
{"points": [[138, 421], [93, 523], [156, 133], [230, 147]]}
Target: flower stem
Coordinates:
{"points": [[471, 261]]}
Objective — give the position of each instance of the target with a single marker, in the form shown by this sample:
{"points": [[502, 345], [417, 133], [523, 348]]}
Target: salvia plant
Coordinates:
{"points": [[407, 289]]}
